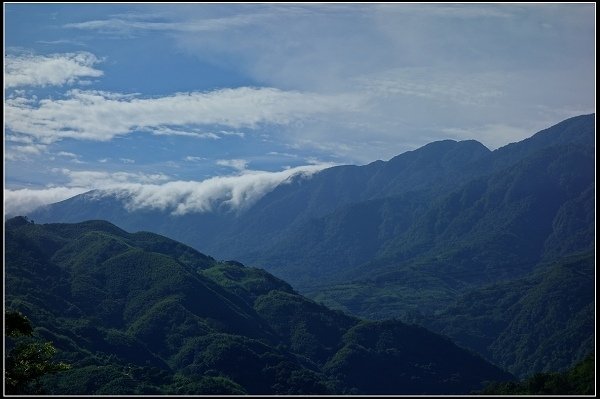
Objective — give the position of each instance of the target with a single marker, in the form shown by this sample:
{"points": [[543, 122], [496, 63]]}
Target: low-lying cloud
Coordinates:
{"points": [[153, 191], [25, 200], [237, 192]]}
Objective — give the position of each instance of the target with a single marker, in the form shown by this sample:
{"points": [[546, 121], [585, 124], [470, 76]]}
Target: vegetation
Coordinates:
{"points": [[579, 380], [541, 323], [27, 358], [142, 314]]}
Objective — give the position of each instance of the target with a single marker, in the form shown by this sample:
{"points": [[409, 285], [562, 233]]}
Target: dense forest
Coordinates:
{"points": [[121, 313], [579, 380]]}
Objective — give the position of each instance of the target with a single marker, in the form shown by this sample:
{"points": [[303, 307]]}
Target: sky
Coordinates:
{"points": [[184, 106]]}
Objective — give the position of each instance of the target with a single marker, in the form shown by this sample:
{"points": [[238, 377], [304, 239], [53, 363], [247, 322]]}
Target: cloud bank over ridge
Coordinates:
{"points": [[141, 191]]}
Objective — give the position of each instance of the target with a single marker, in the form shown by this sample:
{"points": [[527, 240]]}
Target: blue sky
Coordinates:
{"points": [[189, 104]]}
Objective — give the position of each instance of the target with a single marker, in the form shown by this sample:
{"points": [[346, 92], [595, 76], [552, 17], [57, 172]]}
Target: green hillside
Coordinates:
{"points": [[142, 314]]}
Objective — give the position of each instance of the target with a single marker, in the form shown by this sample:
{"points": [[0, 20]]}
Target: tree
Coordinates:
{"points": [[28, 358], [16, 324]]}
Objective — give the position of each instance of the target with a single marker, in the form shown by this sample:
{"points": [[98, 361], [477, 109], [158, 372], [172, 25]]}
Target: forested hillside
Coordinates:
{"points": [[142, 314]]}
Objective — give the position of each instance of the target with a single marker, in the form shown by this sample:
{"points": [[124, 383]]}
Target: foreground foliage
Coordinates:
{"points": [[27, 358]]}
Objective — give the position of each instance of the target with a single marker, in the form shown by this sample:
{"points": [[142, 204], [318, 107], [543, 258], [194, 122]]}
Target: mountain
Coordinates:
{"points": [[142, 314], [538, 322], [423, 175], [411, 237], [230, 234]]}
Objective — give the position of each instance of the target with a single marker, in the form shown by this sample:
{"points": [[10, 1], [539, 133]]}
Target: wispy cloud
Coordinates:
{"points": [[67, 154], [49, 70], [127, 24], [74, 158], [459, 11], [357, 82], [417, 67], [239, 164], [282, 154], [61, 41], [101, 179], [232, 133], [32, 149], [23, 151], [97, 115], [167, 131], [190, 158], [474, 89], [18, 139]]}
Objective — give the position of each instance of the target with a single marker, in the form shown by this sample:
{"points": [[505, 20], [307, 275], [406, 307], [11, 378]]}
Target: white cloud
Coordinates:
{"points": [[127, 160], [449, 11], [231, 133], [96, 115], [282, 154], [473, 89], [166, 131], [152, 191], [359, 82], [418, 68], [32, 149], [230, 192], [129, 24], [67, 154], [47, 70], [25, 150], [23, 201], [239, 164], [61, 41], [19, 139], [74, 157], [190, 158], [108, 180]]}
